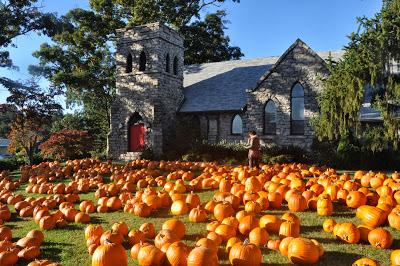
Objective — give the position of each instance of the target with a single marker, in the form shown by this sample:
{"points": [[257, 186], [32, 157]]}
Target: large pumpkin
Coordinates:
{"points": [[271, 223], [289, 228], [109, 254], [365, 262], [223, 210], [348, 233], [93, 230], [258, 236], [148, 229], [248, 223], [150, 256], [245, 254], [175, 226], [177, 254], [370, 215], [225, 231], [202, 256], [303, 251], [380, 238], [297, 203], [395, 257]]}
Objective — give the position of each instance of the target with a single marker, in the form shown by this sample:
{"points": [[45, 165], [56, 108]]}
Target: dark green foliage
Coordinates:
{"points": [[19, 18], [366, 62], [9, 164], [7, 115], [147, 154], [201, 38]]}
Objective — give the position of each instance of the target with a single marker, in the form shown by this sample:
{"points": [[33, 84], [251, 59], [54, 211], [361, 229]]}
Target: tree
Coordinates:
{"points": [[35, 111], [201, 38], [82, 122], [7, 115], [81, 59], [66, 144], [19, 18], [367, 61]]}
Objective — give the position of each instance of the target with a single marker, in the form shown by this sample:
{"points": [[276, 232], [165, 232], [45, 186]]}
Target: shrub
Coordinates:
{"points": [[10, 164], [147, 154], [66, 144]]}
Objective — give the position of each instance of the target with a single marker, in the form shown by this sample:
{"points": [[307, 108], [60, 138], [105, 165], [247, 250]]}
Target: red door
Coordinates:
{"points": [[136, 133]]}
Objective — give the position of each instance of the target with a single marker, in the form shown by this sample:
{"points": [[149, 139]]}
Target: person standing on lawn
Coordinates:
{"points": [[254, 146]]}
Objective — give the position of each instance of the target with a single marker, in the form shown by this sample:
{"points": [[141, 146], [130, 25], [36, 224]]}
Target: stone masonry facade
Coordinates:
{"points": [[156, 94]]}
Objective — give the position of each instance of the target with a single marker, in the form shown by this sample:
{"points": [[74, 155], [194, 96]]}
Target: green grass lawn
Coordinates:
{"points": [[68, 247]]}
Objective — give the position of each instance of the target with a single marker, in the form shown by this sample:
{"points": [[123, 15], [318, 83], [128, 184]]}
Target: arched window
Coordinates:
{"points": [[270, 118], [237, 125], [175, 65], [142, 61], [167, 64], [128, 68], [297, 110]]}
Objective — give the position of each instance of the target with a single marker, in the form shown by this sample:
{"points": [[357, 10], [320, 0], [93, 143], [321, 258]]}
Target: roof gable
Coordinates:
{"points": [[298, 42]]}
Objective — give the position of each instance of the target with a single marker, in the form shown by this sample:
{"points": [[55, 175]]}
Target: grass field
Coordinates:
{"points": [[68, 247]]}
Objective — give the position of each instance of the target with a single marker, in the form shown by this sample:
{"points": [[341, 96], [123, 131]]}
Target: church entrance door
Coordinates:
{"points": [[136, 137]]}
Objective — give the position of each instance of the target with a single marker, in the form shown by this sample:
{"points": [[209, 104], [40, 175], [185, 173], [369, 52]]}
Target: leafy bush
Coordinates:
{"points": [[66, 144], [191, 157], [10, 164], [147, 154]]}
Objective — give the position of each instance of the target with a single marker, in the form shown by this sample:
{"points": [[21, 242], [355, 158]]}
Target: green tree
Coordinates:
{"points": [[81, 59], [367, 61], [19, 18], [7, 115]]}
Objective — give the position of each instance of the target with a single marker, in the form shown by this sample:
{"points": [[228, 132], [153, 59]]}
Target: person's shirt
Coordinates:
{"points": [[253, 143]]}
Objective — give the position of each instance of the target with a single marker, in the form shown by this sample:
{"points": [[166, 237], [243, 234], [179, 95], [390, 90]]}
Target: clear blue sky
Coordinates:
{"points": [[259, 27]]}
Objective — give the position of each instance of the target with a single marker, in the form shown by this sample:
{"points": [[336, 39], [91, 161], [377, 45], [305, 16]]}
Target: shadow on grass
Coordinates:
{"points": [[194, 237], [310, 228], [96, 220], [52, 250], [162, 213], [338, 258]]}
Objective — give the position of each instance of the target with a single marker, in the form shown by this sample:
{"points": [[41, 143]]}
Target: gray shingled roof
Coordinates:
{"points": [[222, 86]]}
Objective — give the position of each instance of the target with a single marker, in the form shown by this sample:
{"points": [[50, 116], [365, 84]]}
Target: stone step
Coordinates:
{"points": [[130, 156]]}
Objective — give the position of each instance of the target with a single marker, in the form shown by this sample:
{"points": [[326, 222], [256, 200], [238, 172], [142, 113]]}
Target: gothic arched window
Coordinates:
{"points": [[237, 125], [297, 110], [128, 67], [176, 65], [270, 118], [142, 61], [167, 64]]}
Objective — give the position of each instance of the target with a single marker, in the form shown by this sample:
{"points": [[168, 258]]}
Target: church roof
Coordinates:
{"points": [[221, 86]]}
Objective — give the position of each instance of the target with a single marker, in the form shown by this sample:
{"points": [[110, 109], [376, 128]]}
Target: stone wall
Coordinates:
{"points": [[155, 94], [217, 127], [299, 64]]}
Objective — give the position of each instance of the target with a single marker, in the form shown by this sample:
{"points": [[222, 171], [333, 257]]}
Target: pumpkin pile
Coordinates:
{"points": [[236, 217], [25, 249]]}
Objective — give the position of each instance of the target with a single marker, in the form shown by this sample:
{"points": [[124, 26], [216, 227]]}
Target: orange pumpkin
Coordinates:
{"points": [[302, 251], [245, 253], [380, 238]]}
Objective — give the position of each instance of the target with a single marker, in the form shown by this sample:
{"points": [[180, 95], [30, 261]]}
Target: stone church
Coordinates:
{"points": [[156, 93]]}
